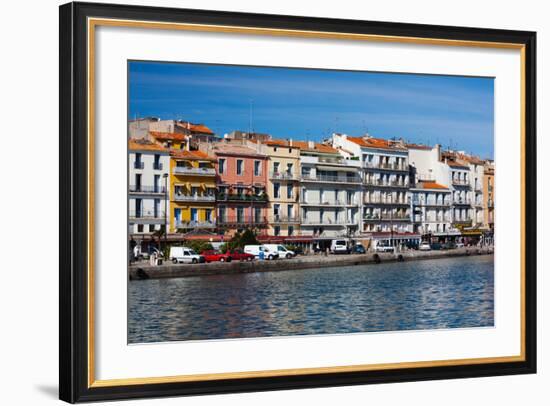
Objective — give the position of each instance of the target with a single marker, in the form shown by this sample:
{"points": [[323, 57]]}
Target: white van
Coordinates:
{"points": [[184, 255], [339, 246], [255, 250], [281, 250]]}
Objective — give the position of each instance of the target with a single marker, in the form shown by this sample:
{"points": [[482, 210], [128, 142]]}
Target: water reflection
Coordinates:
{"points": [[443, 293]]}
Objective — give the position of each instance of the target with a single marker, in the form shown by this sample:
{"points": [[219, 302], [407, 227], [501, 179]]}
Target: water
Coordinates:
{"points": [[430, 294]]}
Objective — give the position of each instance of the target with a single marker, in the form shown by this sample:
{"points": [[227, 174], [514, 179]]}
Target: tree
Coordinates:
{"points": [[198, 246]]}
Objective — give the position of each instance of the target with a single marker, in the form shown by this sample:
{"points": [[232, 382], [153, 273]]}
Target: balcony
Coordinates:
{"points": [[387, 217], [460, 182], [195, 224], [138, 165], [241, 221], [326, 222], [462, 202], [328, 203], [380, 183], [284, 176], [146, 216], [490, 204], [194, 198], [235, 197], [157, 166], [187, 170], [330, 179], [284, 219], [386, 166], [431, 203], [146, 189], [377, 202]]}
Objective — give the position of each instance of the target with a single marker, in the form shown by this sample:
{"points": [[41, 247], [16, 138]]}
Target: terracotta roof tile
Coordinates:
{"points": [[379, 143], [192, 155], [321, 148], [141, 145], [431, 185], [162, 136]]}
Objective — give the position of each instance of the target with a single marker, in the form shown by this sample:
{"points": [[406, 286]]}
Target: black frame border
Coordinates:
{"points": [[73, 178]]}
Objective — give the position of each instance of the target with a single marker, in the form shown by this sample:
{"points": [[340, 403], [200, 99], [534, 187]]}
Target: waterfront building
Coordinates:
{"points": [[489, 195], [147, 192], [330, 193], [283, 187], [432, 210], [144, 128], [241, 182], [386, 201], [193, 191]]}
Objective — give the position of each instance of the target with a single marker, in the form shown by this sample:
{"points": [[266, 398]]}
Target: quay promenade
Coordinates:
{"points": [[168, 270]]}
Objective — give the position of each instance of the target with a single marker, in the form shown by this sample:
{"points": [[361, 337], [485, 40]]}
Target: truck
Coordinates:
{"points": [[257, 249]]}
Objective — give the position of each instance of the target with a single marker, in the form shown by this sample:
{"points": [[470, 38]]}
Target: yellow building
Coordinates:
{"points": [[283, 180], [192, 191], [489, 195]]}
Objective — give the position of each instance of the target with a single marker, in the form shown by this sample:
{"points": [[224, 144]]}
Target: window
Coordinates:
{"points": [[138, 207], [156, 208], [151, 228], [240, 214], [221, 165], [140, 228], [208, 215], [257, 214], [277, 190], [194, 215], [257, 168], [156, 163], [275, 167], [276, 210], [137, 163], [277, 230], [194, 191], [290, 230], [138, 182], [289, 168], [289, 192], [221, 213], [156, 184], [290, 211], [239, 166]]}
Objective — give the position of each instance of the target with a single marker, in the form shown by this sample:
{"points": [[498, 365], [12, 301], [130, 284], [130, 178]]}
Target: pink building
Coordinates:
{"points": [[241, 182]]}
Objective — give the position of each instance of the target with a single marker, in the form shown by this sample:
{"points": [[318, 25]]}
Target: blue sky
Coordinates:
{"points": [[306, 104]]}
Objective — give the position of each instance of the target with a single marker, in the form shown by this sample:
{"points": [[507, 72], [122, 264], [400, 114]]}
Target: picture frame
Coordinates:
{"points": [[77, 289]]}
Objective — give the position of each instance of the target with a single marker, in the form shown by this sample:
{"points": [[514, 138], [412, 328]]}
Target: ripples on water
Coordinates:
{"points": [[430, 294]]}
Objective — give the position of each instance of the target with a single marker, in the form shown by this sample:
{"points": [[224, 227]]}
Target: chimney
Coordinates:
{"points": [[290, 142], [310, 144], [437, 148]]}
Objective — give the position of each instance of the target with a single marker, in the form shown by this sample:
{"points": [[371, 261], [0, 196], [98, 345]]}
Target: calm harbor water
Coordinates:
{"points": [[429, 294]]}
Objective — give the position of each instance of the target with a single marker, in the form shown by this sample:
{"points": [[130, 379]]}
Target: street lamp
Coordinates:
{"points": [[165, 176]]}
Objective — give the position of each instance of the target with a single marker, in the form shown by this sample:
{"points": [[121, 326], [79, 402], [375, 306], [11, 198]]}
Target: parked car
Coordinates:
{"points": [[240, 255], [185, 255], [384, 247], [437, 246], [215, 256], [283, 252], [256, 249], [339, 246], [449, 246], [358, 249], [425, 247]]}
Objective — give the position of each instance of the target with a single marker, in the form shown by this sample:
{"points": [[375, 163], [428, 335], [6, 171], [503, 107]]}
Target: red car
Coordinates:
{"points": [[215, 256], [240, 255]]}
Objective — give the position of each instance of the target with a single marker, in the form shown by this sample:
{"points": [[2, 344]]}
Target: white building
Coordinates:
{"points": [[330, 195], [149, 165], [432, 213], [386, 201]]}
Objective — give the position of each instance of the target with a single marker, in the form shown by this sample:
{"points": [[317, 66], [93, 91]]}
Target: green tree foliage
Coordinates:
{"points": [[198, 246], [240, 240]]}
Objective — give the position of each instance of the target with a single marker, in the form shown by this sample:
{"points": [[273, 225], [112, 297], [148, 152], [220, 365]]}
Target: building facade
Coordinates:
{"points": [[193, 191], [330, 195], [489, 195], [148, 195], [432, 210], [241, 182], [283, 187], [386, 200]]}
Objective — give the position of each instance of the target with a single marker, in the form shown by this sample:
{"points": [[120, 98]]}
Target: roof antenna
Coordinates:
{"points": [[250, 117]]}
